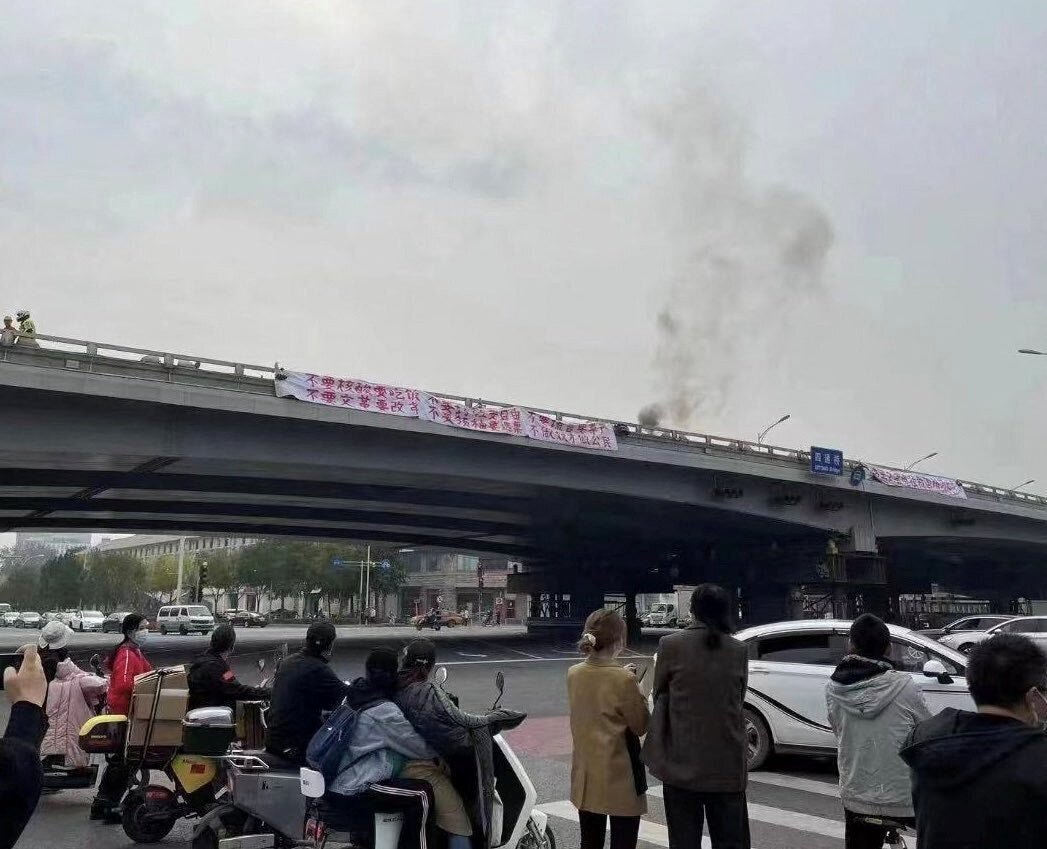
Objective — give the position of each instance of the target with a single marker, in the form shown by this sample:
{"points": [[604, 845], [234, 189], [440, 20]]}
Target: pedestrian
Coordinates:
{"points": [[21, 776], [872, 710], [71, 697], [608, 716], [212, 683], [9, 335], [498, 608], [27, 329], [697, 745], [124, 662], [980, 778]]}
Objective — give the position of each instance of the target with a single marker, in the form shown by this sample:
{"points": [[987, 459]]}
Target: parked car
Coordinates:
{"points": [[283, 613], [446, 618], [663, 615], [66, 617], [789, 667], [114, 621], [28, 619], [185, 618], [50, 616], [1033, 627], [246, 618], [10, 618], [968, 624], [87, 620]]}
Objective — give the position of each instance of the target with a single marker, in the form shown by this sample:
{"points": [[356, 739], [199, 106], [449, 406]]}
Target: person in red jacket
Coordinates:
{"points": [[124, 663]]}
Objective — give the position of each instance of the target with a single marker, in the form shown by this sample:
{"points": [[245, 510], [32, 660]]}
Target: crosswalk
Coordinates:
{"points": [[785, 811]]}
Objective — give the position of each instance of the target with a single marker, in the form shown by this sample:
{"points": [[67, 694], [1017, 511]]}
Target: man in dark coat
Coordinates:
{"points": [[980, 779], [304, 687], [211, 681]]}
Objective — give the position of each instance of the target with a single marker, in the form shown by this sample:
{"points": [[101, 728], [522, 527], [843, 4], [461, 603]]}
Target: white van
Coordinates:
{"points": [[184, 618]]}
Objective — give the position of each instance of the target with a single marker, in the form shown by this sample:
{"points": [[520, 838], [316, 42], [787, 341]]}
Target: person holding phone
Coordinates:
{"points": [[608, 716], [124, 663], [21, 776]]}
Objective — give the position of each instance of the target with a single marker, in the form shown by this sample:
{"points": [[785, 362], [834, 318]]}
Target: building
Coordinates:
{"points": [[148, 547], [58, 543], [449, 581]]}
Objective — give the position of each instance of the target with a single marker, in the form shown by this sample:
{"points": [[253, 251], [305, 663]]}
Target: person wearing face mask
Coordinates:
{"points": [[980, 779], [212, 683], [872, 710], [304, 687], [124, 662], [608, 715]]}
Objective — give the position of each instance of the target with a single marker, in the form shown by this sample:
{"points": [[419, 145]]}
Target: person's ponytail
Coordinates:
{"points": [[711, 606]]}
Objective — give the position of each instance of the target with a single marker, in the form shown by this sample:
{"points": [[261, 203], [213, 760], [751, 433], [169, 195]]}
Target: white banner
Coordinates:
{"points": [[351, 394], [398, 401], [913, 480]]}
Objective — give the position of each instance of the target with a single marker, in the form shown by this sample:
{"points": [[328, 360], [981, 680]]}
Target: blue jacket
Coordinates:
{"points": [[381, 742]]}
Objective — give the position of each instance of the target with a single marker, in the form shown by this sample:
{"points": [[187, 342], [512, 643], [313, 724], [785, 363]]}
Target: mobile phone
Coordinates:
{"points": [[7, 660]]}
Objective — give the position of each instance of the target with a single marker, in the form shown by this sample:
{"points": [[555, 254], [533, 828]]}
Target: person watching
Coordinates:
{"points": [[980, 778], [124, 663], [27, 327], [212, 683], [9, 333], [21, 775], [304, 687], [872, 710]]}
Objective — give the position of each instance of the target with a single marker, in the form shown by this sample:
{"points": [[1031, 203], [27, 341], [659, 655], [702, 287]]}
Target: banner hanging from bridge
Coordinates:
{"points": [[351, 394], [398, 401], [913, 480]]}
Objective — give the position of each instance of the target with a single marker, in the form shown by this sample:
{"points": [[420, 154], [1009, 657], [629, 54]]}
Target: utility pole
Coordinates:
{"points": [[479, 590], [181, 564], [367, 592]]}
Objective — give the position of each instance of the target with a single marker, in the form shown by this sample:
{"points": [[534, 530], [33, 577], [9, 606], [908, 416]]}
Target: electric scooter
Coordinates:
{"points": [[57, 776], [283, 802]]}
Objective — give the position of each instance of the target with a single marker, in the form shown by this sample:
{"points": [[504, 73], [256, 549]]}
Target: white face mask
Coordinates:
{"points": [[140, 637]]}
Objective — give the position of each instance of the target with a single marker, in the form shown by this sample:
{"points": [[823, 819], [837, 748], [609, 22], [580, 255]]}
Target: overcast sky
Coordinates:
{"points": [[837, 208]]}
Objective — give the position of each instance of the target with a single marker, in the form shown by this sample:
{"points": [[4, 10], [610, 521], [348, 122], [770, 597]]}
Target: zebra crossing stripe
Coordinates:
{"points": [[650, 832], [822, 788]]}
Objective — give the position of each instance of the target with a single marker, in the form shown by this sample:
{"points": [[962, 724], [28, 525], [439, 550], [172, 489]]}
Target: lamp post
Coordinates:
{"points": [[770, 427], [1023, 485], [1033, 352], [917, 462]]}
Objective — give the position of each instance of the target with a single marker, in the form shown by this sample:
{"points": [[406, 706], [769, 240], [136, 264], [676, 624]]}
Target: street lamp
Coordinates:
{"points": [[917, 462], [1023, 485], [766, 430]]}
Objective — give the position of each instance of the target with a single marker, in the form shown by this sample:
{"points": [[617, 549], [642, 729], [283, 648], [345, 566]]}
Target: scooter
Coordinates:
{"points": [[283, 803], [430, 620]]}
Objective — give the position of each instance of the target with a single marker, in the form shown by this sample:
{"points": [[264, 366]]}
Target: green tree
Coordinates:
{"points": [[21, 586], [61, 580], [162, 577], [223, 574], [113, 579]]}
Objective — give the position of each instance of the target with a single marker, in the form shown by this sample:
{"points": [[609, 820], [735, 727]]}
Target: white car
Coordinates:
{"points": [[10, 618], [789, 667], [87, 620], [28, 619], [1033, 627]]}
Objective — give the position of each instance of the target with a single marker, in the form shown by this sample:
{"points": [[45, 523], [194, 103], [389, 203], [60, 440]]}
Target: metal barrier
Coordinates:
{"points": [[145, 364]]}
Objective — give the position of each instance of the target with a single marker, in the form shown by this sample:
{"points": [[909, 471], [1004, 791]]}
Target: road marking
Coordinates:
{"points": [[525, 654], [782, 817], [514, 660], [650, 832], [467, 654], [823, 788]]}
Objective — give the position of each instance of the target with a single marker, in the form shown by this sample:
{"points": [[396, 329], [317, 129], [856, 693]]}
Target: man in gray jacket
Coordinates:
{"points": [[872, 710]]}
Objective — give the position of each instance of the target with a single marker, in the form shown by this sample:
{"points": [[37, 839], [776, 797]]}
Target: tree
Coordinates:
{"points": [[223, 574], [61, 580], [162, 577], [21, 586], [113, 578]]}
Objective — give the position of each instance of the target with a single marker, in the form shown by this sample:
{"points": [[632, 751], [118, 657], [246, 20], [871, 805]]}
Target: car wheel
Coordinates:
{"points": [[757, 739], [163, 630], [183, 631]]}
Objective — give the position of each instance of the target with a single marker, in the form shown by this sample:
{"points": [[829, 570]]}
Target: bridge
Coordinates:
{"points": [[111, 438]]}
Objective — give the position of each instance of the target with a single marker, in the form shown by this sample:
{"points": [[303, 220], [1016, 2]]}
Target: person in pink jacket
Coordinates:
{"points": [[71, 697]]}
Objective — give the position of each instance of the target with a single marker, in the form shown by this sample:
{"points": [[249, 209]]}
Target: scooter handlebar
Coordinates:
{"points": [[505, 720]]}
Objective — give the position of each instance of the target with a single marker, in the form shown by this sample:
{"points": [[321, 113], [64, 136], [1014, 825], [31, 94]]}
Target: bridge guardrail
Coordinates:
{"points": [[148, 364]]}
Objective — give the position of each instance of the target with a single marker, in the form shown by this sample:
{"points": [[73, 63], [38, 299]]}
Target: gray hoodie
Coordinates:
{"points": [[872, 709]]}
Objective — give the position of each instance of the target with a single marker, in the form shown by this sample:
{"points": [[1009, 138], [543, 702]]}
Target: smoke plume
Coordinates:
{"points": [[749, 257]]}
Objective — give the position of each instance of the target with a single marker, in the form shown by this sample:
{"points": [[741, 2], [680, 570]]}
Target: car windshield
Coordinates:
{"points": [[199, 611]]}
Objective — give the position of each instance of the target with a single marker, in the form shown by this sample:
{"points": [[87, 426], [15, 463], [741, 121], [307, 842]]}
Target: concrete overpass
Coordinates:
{"points": [[110, 438]]}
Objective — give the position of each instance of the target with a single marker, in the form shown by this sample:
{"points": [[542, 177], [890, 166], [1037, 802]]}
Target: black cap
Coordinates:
{"points": [[419, 654], [320, 637]]}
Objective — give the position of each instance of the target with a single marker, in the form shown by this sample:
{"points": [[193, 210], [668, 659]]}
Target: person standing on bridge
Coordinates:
{"points": [[27, 327], [9, 334], [697, 745], [608, 716]]}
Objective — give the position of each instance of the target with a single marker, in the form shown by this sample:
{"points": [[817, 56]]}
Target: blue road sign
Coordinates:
{"points": [[826, 461], [338, 563]]}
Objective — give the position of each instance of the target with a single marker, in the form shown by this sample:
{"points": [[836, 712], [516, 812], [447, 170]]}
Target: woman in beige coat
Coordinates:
{"points": [[606, 706]]}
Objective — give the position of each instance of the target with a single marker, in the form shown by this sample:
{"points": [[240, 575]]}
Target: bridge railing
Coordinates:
{"points": [[190, 369]]}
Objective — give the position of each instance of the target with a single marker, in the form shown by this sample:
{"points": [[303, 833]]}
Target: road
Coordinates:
{"points": [[794, 803]]}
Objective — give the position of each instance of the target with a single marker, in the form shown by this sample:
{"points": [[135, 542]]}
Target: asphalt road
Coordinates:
{"points": [[795, 803]]}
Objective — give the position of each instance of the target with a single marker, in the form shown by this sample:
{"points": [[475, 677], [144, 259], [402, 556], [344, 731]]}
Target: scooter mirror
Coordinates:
{"points": [[441, 675], [499, 681]]}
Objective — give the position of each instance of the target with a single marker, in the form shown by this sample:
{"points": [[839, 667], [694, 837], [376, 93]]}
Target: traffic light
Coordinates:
{"points": [[480, 575], [203, 573]]}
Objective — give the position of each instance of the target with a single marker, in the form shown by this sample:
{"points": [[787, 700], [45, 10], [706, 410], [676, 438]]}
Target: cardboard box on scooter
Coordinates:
{"points": [[170, 708]]}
